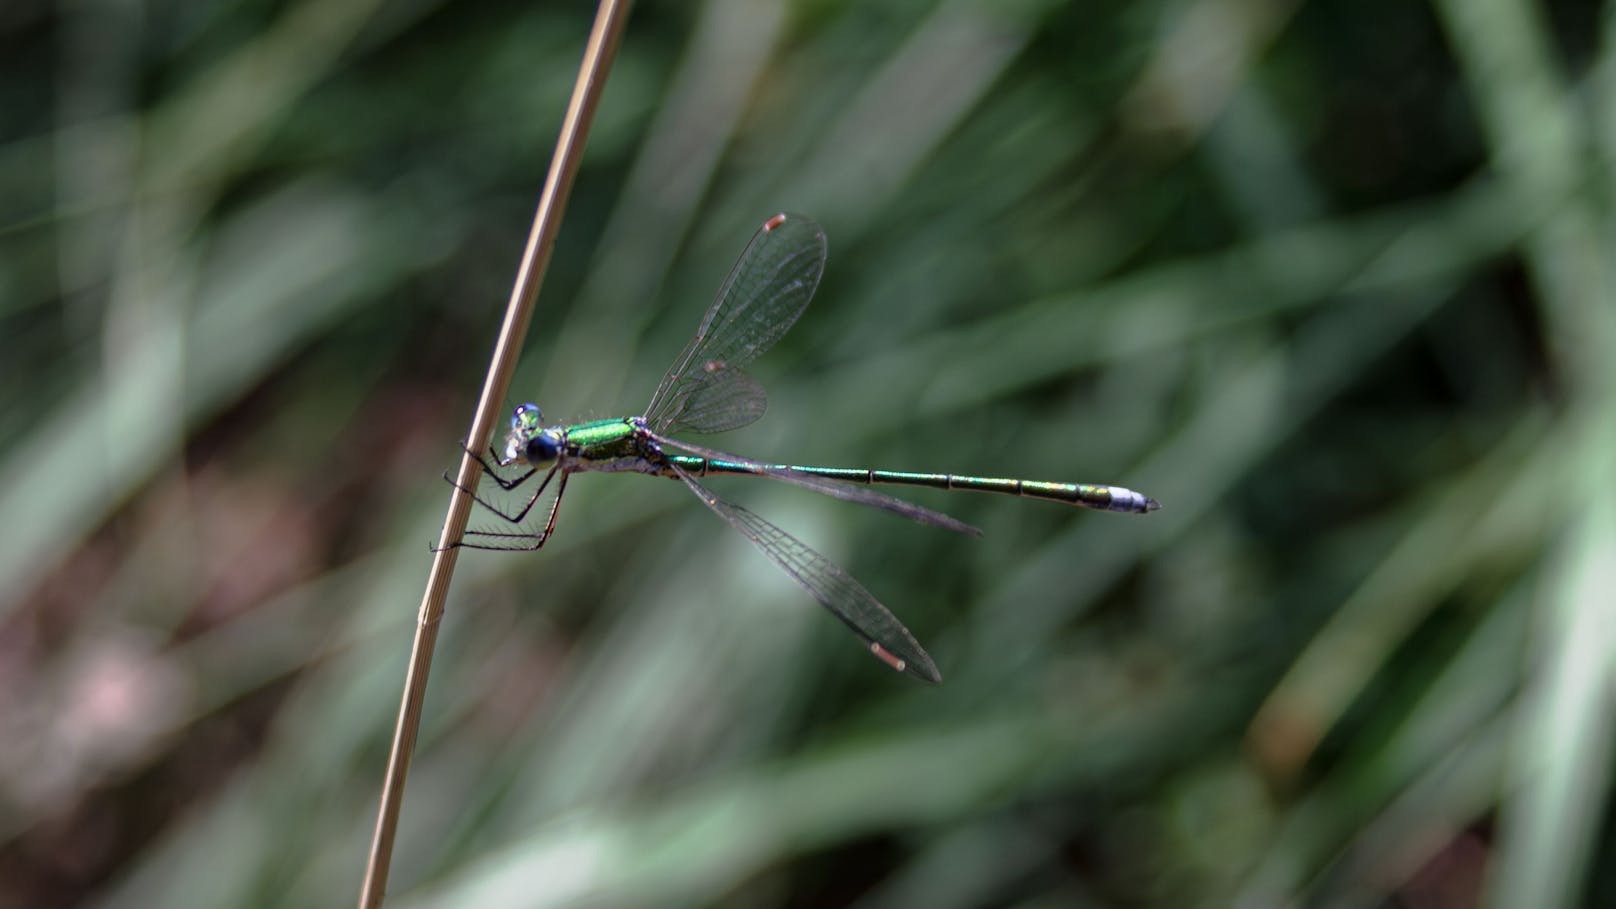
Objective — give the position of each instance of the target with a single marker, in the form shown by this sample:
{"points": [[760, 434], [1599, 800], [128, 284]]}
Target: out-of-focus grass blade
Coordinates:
{"points": [[1543, 149], [701, 843], [1165, 306], [904, 110], [296, 266], [1377, 816], [1565, 734], [1495, 511], [589, 357]]}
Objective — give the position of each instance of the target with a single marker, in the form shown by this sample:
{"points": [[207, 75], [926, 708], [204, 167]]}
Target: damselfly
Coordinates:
{"points": [[706, 391]]}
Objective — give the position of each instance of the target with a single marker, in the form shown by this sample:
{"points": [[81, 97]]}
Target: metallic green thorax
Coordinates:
{"points": [[601, 440], [607, 445]]}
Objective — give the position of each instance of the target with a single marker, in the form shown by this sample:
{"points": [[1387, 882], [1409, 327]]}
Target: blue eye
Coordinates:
{"points": [[543, 447], [526, 415]]}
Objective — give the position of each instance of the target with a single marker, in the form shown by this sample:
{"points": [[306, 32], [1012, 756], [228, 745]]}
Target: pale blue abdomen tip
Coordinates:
{"points": [[1130, 501]]}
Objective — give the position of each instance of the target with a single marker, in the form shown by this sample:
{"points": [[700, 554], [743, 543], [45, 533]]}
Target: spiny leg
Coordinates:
{"points": [[534, 540], [489, 469], [512, 518]]}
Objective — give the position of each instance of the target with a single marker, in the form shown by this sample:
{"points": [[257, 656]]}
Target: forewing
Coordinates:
{"points": [[757, 304]]}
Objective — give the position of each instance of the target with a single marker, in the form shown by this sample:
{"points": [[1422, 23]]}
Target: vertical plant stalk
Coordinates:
{"points": [[598, 54]]}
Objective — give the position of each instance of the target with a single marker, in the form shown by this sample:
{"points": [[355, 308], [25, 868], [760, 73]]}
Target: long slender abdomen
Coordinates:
{"points": [[1100, 496]]}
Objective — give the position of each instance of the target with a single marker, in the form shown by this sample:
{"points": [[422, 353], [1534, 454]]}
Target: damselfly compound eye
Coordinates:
{"points": [[525, 415], [543, 448]]}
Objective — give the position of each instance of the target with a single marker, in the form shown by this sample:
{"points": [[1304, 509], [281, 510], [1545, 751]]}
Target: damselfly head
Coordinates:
{"points": [[528, 440]]}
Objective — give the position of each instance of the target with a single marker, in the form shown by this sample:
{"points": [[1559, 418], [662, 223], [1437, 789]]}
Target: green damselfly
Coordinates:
{"points": [[705, 391]]}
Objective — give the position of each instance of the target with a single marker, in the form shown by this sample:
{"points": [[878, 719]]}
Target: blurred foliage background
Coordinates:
{"points": [[1330, 279]]}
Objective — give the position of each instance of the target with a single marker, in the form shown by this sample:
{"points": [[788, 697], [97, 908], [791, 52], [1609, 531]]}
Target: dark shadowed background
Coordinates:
{"points": [[1331, 279]]}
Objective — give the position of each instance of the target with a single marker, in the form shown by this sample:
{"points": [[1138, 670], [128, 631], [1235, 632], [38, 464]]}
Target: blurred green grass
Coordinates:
{"points": [[1332, 280]]}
